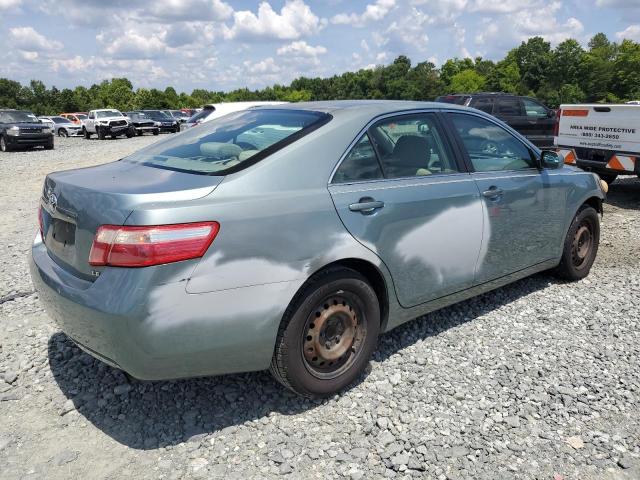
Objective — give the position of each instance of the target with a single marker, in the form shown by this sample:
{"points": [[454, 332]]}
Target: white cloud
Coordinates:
{"points": [[301, 49], [632, 32], [268, 65], [294, 21], [373, 12], [27, 39], [131, 44], [195, 10], [9, 4]]}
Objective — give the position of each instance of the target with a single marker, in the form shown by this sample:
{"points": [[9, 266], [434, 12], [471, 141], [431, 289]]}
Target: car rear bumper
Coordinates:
{"points": [[144, 322]]}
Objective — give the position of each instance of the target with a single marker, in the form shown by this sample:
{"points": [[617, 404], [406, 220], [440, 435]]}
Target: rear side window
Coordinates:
{"points": [[455, 99], [232, 142], [201, 115], [412, 145], [484, 104], [509, 106], [360, 164], [491, 147]]}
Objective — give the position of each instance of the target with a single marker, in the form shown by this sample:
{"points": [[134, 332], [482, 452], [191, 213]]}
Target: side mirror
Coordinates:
{"points": [[551, 160], [551, 113]]}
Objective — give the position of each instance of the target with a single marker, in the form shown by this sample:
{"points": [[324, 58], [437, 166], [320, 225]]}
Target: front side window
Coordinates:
{"points": [[360, 164], [534, 109], [232, 142], [491, 147], [412, 145]]}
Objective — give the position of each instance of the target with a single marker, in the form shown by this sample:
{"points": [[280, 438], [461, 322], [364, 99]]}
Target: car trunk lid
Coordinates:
{"points": [[76, 202]]}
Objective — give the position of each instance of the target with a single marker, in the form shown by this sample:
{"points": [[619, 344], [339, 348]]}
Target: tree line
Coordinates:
{"points": [[604, 72]]}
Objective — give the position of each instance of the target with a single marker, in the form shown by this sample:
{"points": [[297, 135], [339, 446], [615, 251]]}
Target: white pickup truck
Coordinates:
{"points": [[601, 138], [106, 122]]}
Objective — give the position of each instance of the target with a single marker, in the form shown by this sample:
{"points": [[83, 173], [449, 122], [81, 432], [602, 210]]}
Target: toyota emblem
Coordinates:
{"points": [[53, 200]]}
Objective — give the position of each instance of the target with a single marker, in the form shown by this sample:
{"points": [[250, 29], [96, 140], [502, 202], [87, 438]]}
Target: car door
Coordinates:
{"points": [[402, 193], [524, 206]]}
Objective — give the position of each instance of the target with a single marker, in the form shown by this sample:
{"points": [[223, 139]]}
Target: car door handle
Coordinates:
{"points": [[493, 192], [366, 205]]}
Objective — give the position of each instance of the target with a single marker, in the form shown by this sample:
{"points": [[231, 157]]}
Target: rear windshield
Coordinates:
{"points": [[232, 142], [456, 99]]}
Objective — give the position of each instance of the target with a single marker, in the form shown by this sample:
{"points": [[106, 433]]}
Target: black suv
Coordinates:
{"points": [[23, 129], [524, 114], [167, 123]]}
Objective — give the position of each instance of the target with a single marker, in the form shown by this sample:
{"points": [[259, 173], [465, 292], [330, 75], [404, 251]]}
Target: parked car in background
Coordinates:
{"points": [[48, 122], [22, 129], [78, 118], [63, 127], [634, 102], [141, 123], [165, 122], [106, 122], [527, 115], [601, 138], [217, 110], [289, 237], [177, 114]]}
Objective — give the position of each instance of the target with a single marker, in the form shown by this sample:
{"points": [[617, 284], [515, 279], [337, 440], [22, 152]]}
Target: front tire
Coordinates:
{"points": [[327, 334], [4, 146], [580, 245], [63, 133], [156, 132], [101, 134], [86, 133]]}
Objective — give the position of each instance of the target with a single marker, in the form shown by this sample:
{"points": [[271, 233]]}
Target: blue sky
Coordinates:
{"points": [[223, 44]]}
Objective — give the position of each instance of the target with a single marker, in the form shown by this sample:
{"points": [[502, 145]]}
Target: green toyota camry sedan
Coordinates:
{"points": [[290, 237]]}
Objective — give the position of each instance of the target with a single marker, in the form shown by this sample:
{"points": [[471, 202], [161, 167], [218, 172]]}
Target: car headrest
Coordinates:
{"points": [[220, 151], [412, 151]]}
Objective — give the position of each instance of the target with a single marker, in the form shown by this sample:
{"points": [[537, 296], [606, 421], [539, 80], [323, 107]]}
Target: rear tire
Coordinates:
{"points": [[608, 177], [156, 132], [580, 245], [327, 334]]}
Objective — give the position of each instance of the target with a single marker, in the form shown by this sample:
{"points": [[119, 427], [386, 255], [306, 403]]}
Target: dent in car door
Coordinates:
{"points": [[524, 206], [426, 228]]}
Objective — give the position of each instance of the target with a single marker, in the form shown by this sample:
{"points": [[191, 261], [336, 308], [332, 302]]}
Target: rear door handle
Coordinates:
{"points": [[493, 192], [366, 205]]}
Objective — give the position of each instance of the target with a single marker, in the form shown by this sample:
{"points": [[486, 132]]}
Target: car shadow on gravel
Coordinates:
{"points": [[149, 415], [625, 193]]}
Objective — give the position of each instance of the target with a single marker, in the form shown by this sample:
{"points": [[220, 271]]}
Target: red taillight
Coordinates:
{"points": [[556, 126], [125, 246]]}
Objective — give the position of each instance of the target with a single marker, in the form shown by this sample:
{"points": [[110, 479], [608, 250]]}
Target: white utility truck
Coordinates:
{"points": [[601, 138]]}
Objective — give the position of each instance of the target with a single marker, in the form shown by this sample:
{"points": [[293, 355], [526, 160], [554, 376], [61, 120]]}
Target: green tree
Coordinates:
{"points": [[467, 81]]}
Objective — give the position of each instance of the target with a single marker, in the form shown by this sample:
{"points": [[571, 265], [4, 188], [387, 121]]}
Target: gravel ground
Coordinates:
{"points": [[538, 380]]}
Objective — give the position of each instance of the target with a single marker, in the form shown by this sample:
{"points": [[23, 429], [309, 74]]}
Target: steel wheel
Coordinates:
{"points": [[333, 336], [582, 244], [327, 334]]}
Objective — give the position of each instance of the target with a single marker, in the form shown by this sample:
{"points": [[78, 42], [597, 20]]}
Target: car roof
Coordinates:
{"points": [[354, 108]]}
